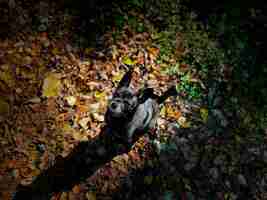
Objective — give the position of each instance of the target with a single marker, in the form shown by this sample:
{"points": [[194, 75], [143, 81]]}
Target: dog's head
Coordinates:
{"points": [[123, 103], [124, 100]]}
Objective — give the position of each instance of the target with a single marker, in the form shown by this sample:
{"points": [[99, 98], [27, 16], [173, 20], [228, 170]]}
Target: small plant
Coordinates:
{"points": [[192, 90], [136, 24]]}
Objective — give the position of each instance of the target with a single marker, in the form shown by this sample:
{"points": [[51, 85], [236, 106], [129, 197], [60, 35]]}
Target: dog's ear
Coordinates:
{"points": [[126, 79], [172, 91], [145, 94]]}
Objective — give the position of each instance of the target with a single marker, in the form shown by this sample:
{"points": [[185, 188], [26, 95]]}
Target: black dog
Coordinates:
{"points": [[130, 113]]}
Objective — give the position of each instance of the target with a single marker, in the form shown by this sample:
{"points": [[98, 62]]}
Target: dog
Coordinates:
{"points": [[130, 113]]}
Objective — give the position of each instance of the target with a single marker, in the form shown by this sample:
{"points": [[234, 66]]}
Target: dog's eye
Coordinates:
{"points": [[127, 95]]}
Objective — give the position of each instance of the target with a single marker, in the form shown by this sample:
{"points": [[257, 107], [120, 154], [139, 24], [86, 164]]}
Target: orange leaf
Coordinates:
{"points": [[82, 109], [76, 189]]}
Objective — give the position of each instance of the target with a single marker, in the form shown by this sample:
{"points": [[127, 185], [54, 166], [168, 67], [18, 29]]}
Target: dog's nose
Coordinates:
{"points": [[113, 106]]}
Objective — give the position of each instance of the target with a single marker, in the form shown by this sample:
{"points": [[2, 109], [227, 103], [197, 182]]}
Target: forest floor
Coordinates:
{"points": [[57, 74]]}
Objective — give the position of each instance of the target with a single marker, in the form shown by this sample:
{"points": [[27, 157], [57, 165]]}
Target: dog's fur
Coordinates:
{"points": [[130, 113]]}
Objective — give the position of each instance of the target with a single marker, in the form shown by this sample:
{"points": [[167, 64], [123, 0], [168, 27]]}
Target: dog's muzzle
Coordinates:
{"points": [[117, 108]]}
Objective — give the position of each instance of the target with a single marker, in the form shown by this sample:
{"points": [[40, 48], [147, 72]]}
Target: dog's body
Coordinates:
{"points": [[130, 113]]}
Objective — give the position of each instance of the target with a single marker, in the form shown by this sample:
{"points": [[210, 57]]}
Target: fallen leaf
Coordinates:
{"points": [[6, 75], [128, 61], [98, 117], [183, 122], [173, 113], [91, 196], [154, 52], [204, 113], [55, 51], [52, 85], [4, 107], [100, 95], [71, 100], [117, 77], [82, 109], [83, 122], [34, 100], [27, 60], [94, 107], [79, 136], [76, 189]]}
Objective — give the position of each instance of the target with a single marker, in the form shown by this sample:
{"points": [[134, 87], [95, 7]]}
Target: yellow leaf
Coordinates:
{"points": [[91, 196], [67, 128], [88, 50], [79, 136], [204, 113], [84, 121], [52, 85], [183, 122], [100, 95], [64, 196], [163, 111], [6, 75], [55, 51], [173, 113], [117, 77], [71, 100], [128, 61]]}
